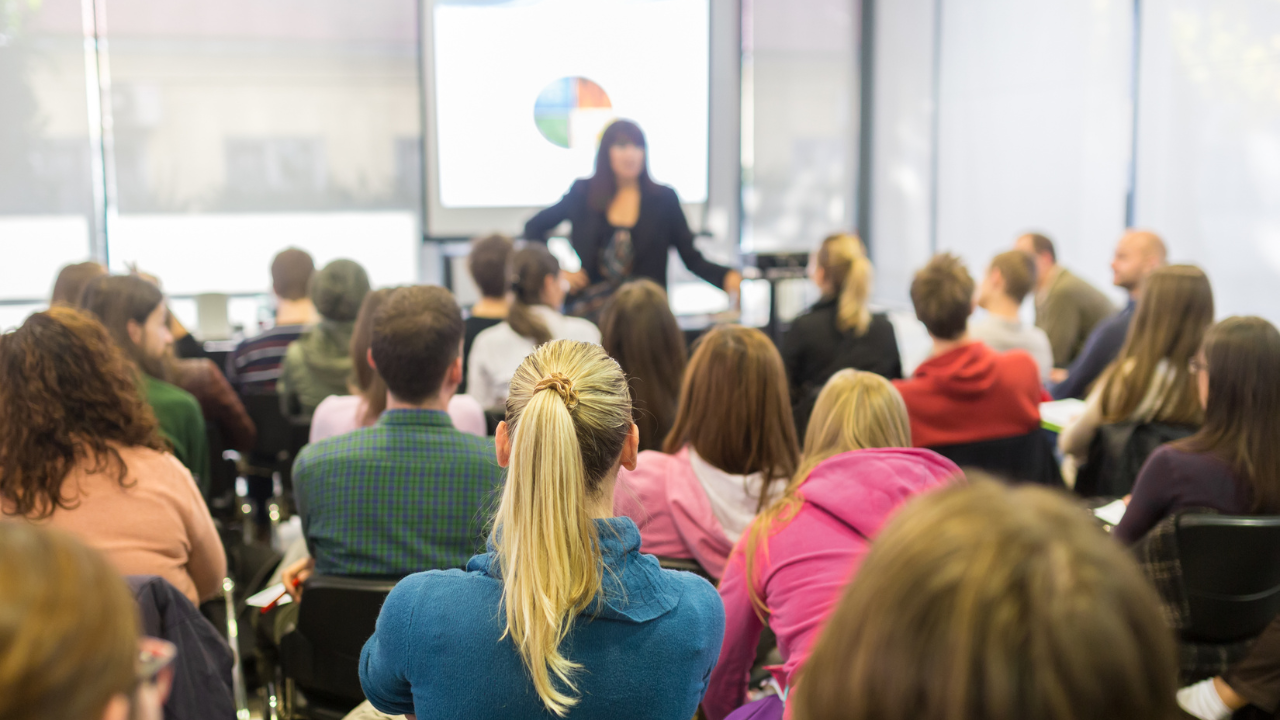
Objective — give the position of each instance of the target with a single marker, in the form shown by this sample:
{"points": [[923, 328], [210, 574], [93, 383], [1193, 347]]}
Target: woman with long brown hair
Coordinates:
{"points": [[789, 567], [1232, 464], [985, 602], [339, 414], [1151, 381], [638, 330], [80, 450], [729, 453]]}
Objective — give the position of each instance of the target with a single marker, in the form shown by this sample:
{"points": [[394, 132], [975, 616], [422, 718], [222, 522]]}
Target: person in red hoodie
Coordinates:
{"points": [[965, 392]]}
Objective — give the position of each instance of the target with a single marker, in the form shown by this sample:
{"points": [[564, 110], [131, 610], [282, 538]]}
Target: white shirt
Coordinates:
{"points": [[497, 353], [733, 498], [1002, 335]]}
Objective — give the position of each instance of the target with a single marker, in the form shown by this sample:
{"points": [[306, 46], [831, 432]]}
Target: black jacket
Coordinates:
{"points": [[815, 349], [660, 226]]}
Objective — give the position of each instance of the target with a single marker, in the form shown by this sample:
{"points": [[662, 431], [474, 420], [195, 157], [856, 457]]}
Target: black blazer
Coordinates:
{"points": [[814, 349], [661, 224]]}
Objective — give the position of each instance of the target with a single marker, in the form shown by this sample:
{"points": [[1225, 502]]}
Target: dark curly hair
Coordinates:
{"points": [[67, 394]]}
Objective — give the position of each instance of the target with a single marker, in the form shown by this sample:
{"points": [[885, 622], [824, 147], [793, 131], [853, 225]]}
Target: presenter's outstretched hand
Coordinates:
{"points": [[732, 285]]}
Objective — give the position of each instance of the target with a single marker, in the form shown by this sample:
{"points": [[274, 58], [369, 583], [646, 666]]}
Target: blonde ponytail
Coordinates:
{"points": [[844, 261], [568, 414]]}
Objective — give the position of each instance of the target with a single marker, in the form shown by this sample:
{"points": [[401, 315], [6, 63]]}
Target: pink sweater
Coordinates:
{"points": [[809, 560], [157, 525]]}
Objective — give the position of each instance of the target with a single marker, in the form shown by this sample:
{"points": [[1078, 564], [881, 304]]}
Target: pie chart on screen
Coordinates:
{"points": [[572, 112]]}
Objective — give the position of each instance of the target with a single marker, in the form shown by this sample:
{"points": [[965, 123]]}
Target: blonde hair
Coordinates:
{"points": [[843, 260], [568, 415], [855, 411]]}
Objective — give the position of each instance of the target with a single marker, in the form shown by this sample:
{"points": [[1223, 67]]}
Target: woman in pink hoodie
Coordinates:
{"points": [[729, 454], [799, 554]]}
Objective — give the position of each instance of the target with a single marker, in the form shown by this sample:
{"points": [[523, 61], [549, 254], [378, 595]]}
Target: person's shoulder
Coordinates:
{"points": [[443, 594], [1017, 360], [580, 329], [145, 462], [171, 397], [336, 449], [496, 335], [699, 605]]}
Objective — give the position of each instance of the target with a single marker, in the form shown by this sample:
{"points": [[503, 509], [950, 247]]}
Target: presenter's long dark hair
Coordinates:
{"points": [[602, 186]]}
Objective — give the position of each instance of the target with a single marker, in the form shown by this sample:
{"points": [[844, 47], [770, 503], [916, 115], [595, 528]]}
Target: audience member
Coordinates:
{"points": [[1008, 280], [986, 602], [638, 330], [839, 331], [340, 414], [219, 403], [318, 363], [1068, 308], [1232, 464], [488, 263], [858, 466], [69, 286], [965, 392], [730, 452], [133, 311], [534, 318], [1138, 254], [1254, 680], [69, 645], [254, 366], [563, 614], [80, 451], [1151, 380], [411, 492]]}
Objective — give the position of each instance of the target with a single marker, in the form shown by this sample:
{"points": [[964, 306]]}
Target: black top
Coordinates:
{"points": [[1173, 480], [472, 327], [815, 349], [660, 226]]}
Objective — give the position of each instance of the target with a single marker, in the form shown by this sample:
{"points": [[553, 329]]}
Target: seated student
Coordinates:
{"points": [[71, 281], [638, 330], [339, 414], [1008, 280], [965, 392], [81, 451], [254, 366], [318, 363], [1151, 380], [729, 454], [563, 614], [488, 263], [987, 602], [1068, 308], [790, 567], [1138, 254], [69, 645], [1232, 464], [533, 319], [133, 311], [411, 492], [839, 331], [1254, 680]]}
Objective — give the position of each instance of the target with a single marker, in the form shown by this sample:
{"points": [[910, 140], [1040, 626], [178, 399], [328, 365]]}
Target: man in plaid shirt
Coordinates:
{"points": [[410, 493]]}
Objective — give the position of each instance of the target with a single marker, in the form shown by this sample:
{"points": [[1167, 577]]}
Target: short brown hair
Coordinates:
{"points": [[735, 410], [1018, 270], [68, 627], [942, 293], [1042, 245], [67, 395], [69, 286], [986, 602], [291, 272], [488, 264], [417, 335]]}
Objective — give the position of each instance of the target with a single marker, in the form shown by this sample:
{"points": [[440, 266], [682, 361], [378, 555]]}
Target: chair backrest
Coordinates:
{"points": [[1231, 573], [1021, 458], [322, 655], [1117, 454], [279, 438], [686, 565]]}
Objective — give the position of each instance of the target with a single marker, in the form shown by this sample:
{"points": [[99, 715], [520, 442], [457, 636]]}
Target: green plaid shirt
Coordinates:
{"points": [[409, 494]]}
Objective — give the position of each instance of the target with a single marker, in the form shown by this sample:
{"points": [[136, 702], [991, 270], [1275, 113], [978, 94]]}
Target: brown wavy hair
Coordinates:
{"points": [[68, 395]]}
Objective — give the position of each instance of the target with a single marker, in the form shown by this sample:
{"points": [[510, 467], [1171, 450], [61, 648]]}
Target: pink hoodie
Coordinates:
{"points": [[666, 501], [808, 561]]}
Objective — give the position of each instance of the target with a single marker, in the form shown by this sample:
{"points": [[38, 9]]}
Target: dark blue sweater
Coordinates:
{"points": [[1103, 345], [647, 644]]}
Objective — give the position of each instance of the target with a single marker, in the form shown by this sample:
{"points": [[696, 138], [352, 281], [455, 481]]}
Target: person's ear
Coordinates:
{"points": [[368, 356], [631, 448], [455, 372], [136, 332], [502, 445]]}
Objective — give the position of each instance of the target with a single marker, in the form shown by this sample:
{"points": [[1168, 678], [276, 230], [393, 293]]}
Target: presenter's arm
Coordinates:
{"points": [[547, 220], [718, 275]]}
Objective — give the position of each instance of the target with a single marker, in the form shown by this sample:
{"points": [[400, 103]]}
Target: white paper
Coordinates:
{"points": [[1111, 513], [265, 597], [1058, 414]]}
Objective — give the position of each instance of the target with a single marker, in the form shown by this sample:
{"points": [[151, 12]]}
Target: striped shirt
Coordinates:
{"points": [[409, 494], [254, 367]]}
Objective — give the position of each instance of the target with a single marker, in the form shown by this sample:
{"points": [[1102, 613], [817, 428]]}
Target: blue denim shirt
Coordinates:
{"points": [[647, 644]]}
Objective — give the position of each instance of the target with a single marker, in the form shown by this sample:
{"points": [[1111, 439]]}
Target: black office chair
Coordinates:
{"points": [[1118, 452], [279, 440], [1231, 573], [321, 657], [1022, 458], [221, 497]]}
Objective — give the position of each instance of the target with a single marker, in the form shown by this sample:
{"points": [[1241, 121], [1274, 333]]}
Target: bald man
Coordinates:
{"points": [[1068, 308], [1137, 254]]}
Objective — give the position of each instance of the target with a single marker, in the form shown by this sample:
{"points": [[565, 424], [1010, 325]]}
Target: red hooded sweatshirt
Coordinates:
{"points": [[972, 393]]}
